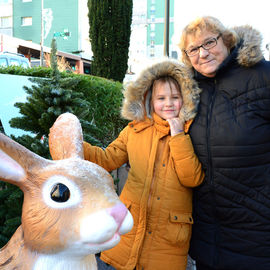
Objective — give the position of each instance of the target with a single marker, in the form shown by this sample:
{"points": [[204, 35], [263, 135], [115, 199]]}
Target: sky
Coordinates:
{"points": [[230, 12]]}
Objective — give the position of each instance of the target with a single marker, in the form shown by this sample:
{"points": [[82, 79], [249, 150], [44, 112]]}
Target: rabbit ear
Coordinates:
{"points": [[16, 160], [10, 169], [65, 138]]}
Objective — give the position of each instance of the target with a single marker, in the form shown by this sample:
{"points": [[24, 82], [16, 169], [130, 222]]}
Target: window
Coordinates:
{"points": [[5, 22], [24, 64], [14, 62], [153, 10], [26, 21], [152, 26], [3, 62], [26, 0]]}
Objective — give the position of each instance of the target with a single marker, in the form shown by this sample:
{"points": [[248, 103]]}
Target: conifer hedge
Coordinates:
{"points": [[110, 22]]}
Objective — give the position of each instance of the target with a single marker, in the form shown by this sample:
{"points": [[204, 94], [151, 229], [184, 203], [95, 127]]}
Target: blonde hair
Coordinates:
{"points": [[206, 23]]}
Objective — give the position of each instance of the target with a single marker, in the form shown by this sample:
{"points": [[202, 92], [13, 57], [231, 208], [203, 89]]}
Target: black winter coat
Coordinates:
{"points": [[231, 136]]}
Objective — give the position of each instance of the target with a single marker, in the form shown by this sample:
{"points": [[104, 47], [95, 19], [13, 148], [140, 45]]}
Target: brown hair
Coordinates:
{"points": [[206, 23], [164, 79]]}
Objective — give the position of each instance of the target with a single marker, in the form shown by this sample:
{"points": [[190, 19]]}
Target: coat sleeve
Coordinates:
{"points": [[111, 158], [186, 163]]}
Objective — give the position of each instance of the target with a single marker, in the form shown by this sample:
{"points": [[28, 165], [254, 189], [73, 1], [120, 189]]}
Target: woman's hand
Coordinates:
{"points": [[176, 125]]}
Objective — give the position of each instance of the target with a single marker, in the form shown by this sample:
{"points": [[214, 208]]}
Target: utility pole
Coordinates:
{"points": [[42, 35], [167, 28]]}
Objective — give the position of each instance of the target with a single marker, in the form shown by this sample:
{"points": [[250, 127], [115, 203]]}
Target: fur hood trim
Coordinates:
{"points": [[249, 52], [133, 107]]}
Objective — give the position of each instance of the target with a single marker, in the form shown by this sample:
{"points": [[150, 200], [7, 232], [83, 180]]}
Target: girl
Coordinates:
{"points": [[163, 168]]}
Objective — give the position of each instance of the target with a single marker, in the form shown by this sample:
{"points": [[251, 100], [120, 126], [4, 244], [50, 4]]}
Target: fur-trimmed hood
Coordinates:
{"points": [[250, 41], [134, 95]]}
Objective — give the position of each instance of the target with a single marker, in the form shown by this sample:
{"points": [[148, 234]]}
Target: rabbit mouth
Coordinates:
{"points": [[84, 248], [113, 241]]}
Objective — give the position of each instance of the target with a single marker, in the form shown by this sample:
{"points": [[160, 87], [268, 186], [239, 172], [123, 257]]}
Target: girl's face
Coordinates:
{"points": [[166, 100]]}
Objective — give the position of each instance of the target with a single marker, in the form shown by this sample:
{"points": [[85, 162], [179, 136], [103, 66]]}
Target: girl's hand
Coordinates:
{"points": [[176, 125]]}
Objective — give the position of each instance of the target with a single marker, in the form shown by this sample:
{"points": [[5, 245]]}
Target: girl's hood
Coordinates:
{"points": [[133, 107]]}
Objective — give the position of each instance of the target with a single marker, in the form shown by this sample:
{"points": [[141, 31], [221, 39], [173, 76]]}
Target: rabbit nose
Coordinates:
{"points": [[118, 212]]}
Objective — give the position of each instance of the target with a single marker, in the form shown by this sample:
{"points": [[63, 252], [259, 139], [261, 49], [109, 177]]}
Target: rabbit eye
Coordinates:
{"points": [[60, 193]]}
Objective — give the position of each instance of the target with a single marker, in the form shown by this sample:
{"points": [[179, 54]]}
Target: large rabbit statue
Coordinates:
{"points": [[70, 210]]}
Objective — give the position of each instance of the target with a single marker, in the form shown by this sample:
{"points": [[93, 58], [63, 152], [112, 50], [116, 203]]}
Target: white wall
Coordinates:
{"points": [[11, 91]]}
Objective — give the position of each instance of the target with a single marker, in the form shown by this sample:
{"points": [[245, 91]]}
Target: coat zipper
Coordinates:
{"points": [[150, 193], [209, 117], [210, 170]]}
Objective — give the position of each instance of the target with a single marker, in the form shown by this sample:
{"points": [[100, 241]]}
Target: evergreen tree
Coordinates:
{"points": [[47, 99], [11, 198], [110, 22]]}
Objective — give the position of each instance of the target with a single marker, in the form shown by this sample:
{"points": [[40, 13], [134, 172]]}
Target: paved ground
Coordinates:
{"points": [[103, 266], [191, 264]]}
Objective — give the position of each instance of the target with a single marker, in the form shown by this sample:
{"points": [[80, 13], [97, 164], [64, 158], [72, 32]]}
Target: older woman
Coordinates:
{"points": [[231, 136]]}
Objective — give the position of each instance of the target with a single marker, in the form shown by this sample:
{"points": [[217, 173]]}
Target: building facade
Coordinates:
{"points": [[6, 14], [64, 20], [156, 27], [147, 32], [67, 21]]}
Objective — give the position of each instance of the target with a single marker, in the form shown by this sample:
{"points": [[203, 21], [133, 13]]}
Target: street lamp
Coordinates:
{"points": [[166, 27]]}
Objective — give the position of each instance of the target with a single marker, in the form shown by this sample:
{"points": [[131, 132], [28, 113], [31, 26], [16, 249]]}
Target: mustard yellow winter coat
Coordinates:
{"points": [[163, 169]]}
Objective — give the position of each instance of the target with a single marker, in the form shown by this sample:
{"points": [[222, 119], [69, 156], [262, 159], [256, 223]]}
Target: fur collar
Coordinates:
{"points": [[250, 51], [133, 107]]}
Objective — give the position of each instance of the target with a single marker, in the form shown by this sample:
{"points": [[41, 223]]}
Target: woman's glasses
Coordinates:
{"points": [[207, 45]]}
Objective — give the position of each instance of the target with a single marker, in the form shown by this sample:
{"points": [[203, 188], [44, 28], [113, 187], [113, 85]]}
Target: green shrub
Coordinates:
{"points": [[105, 97], [34, 71]]}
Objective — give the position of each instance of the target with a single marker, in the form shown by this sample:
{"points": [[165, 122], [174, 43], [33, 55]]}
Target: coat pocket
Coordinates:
{"points": [[179, 227]]}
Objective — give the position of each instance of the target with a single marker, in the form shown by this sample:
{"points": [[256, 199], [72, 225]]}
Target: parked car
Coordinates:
{"points": [[13, 59]]}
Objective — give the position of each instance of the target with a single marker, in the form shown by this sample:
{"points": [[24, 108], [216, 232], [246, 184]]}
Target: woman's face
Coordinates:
{"points": [[207, 62], [166, 100]]}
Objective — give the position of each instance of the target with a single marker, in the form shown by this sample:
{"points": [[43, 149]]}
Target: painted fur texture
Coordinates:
{"points": [[70, 210]]}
